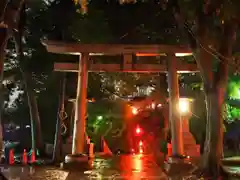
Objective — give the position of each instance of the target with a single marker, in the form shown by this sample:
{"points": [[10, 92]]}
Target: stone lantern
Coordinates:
{"points": [[190, 147]]}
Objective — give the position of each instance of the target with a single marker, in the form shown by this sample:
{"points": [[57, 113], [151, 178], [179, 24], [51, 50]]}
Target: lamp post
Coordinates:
{"points": [[189, 144]]}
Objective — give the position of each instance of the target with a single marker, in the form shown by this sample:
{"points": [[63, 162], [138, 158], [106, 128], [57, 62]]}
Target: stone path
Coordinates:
{"points": [[120, 167]]}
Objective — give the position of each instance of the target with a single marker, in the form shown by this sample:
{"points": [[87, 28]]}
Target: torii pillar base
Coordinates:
{"points": [[191, 148], [76, 162], [178, 167]]}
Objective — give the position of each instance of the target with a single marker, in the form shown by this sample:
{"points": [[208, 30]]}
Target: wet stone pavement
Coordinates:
{"points": [[127, 167]]}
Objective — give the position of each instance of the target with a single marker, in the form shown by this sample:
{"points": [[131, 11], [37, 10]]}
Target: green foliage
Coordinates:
{"points": [[85, 31], [233, 99], [232, 112], [111, 111], [234, 88], [110, 126]]}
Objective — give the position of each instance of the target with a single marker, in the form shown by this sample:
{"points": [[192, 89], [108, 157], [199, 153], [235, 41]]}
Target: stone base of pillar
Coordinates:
{"points": [[77, 162], [178, 167], [190, 147]]}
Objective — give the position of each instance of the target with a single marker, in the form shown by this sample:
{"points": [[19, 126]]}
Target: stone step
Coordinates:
{"points": [[189, 137], [193, 150], [191, 147], [192, 153]]}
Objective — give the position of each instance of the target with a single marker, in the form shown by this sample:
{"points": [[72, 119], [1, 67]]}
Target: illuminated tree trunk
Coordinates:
{"points": [[31, 98], [215, 89], [34, 114], [214, 134]]}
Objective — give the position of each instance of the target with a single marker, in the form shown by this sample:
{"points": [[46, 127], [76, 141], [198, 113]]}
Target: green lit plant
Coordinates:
{"points": [[234, 88], [232, 107]]}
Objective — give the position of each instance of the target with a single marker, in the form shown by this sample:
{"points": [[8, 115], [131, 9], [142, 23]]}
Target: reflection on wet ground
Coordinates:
{"points": [[127, 167]]}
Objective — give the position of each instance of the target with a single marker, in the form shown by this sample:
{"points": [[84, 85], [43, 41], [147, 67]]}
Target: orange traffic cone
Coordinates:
{"points": [[91, 150], [24, 157], [11, 157], [169, 148], [106, 149], [33, 157]]}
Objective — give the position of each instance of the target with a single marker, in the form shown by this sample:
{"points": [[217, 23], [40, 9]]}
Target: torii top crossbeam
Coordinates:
{"points": [[76, 48], [127, 50]]}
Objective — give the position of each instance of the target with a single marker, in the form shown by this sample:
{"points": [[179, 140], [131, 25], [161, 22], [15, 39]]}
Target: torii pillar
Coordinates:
{"points": [[174, 114], [81, 107]]}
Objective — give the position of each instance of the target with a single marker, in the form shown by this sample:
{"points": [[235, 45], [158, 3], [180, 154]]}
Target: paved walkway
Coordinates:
{"points": [[120, 167], [232, 165], [125, 167]]}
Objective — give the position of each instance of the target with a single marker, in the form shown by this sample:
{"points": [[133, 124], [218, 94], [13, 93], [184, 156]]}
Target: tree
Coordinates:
{"points": [[9, 22], [212, 39], [16, 22]]}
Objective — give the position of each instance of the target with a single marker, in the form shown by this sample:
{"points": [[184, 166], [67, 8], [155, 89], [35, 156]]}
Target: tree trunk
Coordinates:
{"points": [[34, 114], [33, 125], [31, 98], [214, 134], [3, 42], [215, 93], [27, 81], [39, 141], [57, 146]]}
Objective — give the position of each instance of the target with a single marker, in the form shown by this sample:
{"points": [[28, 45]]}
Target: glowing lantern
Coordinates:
{"points": [[99, 117], [184, 105], [134, 110], [153, 105]]}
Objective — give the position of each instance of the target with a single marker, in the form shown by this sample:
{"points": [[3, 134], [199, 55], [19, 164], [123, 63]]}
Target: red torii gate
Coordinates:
{"points": [[87, 52]]}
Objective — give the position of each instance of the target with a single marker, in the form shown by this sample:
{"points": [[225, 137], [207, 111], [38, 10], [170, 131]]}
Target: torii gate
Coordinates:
{"points": [[87, 52]]}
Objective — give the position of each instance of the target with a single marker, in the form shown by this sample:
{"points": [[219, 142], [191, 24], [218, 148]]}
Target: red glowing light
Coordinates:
{"points": [[140, 143], [138, 130]]}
